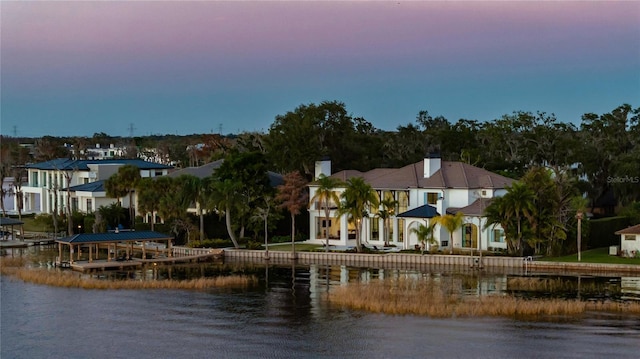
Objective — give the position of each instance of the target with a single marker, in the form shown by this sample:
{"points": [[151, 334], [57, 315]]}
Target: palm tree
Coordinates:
{"points": [[173, 207], [451, 222], [195, 189], [224, 195], [150, 192], [357, 198], [386, 212], [292, 195], [325, 195], [114, 188], [424, 232], [520, 202], [263, 213], [508, 211], [129, 175]]}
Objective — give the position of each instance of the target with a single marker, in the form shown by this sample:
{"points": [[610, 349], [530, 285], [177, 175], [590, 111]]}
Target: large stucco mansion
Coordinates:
{"points": [[423, 190]]}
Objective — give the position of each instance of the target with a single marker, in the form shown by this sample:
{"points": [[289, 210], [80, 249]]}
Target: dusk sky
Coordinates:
{"points": [[75, 68]]}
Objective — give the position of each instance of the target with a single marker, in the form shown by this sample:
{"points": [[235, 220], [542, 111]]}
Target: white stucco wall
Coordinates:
{"points": [[629, 245]]}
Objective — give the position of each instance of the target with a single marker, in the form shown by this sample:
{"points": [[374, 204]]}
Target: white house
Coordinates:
{"points": [[83, 180], [423, 190], [630, 241]]}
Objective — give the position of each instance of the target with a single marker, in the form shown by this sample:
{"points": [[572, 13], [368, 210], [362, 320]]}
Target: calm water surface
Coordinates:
{"points": [[285, 318]]}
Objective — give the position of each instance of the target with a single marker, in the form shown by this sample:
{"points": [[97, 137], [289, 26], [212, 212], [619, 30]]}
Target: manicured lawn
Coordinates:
{"points": [[598, 255], [286, 247], [30, 225]]}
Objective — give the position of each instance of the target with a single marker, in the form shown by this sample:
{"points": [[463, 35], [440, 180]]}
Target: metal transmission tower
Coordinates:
{"points": [[131, 129]]}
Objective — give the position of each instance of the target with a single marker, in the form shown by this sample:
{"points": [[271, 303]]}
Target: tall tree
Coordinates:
{"points": [[264, 213], [325, 196], [225, 195], [149, 193], [195, 189], [510, 211], [129, 175], [293, 196], [298, 138], [237, 184], [357, 198], [173, 207]]}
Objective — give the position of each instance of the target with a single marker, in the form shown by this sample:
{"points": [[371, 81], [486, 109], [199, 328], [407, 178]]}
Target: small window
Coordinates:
{"points": [[432, 198], [630, 237]]}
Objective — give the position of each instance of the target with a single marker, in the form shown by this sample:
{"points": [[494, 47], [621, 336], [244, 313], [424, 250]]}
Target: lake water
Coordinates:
{"points": [[284, 317]]}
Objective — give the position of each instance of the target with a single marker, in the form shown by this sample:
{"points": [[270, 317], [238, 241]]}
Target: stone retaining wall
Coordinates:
{"points": [[416, 261]]}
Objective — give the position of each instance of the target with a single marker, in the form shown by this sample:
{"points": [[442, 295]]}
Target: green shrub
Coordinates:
{"points": [[211, 243]]}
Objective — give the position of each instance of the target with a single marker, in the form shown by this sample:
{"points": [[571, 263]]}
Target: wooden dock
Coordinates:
{"points": [[95, 265]]}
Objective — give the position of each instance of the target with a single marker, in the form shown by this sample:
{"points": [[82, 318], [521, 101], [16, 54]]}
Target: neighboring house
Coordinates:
{"points": [[423, 190], [83, 180], [9, 200], [630, 241], [98, 152]]}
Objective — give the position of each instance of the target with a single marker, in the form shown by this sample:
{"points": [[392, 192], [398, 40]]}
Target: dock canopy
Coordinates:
{"points": [[425, 211], [113, 237], [112, 240], [8, 222]]}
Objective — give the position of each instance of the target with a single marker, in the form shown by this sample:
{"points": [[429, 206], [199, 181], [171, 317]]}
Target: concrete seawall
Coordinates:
{"points": [[416, 261]]}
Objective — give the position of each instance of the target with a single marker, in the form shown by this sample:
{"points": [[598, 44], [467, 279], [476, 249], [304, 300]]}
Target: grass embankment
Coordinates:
{"points": [[14, 267], [433, 299], [598, 255]]}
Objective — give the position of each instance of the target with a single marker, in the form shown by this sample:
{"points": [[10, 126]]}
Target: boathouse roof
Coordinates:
{"points": [[120, 236]]}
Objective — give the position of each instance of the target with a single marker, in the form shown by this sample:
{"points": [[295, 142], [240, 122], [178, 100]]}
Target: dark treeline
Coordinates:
{"points": [[603, 151]]}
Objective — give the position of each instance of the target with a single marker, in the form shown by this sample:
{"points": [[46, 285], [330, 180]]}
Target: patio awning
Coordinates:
{"points": [[425, 211]]}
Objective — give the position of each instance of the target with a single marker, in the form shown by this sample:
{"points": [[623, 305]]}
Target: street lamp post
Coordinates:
{"points": [[579, 218]]}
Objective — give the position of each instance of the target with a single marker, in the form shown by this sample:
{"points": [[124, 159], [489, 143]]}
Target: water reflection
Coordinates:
{"points": [[285, 315], [311, 282]]}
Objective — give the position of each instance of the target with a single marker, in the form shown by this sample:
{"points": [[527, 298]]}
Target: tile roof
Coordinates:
{"points": [[450, 175], [630, 230], [65, 164], [115, 237], [474, 209]]}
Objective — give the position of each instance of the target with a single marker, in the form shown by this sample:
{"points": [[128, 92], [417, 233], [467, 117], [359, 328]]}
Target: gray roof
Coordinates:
{"points": [[121, 236], [200, 172], [66, 164], [275, 179]]}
